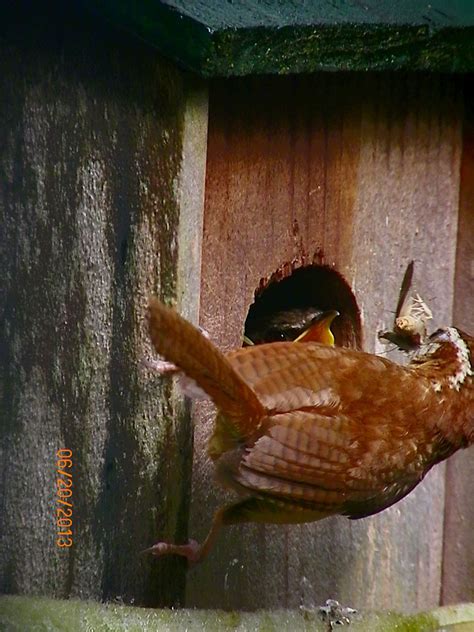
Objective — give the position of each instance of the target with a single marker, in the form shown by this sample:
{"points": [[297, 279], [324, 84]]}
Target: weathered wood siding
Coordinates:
{"points": [[102, 163], [364, 172], [102, 170], [458, 562]]}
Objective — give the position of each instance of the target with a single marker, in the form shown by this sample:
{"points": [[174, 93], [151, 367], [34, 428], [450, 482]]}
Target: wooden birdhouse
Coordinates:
{"points": [[236, 159]]}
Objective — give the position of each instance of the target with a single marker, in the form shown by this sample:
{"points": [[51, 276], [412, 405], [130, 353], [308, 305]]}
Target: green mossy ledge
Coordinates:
{"points": [[19, 613], [215, 38]]}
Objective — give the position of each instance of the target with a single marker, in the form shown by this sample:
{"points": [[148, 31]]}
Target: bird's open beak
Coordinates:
{"points": [[320, 329]]}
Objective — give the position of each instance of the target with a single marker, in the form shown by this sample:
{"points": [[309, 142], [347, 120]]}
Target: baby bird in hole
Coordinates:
{"points": [[306, 431], [298, 324]]}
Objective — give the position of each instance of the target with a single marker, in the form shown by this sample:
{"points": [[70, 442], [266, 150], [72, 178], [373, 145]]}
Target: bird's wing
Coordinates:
{"points": [[341, 435], [287, 376], [324, 460]]}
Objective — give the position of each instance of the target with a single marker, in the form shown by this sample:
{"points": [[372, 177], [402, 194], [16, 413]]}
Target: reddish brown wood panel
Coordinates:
{"points": [[361, 173], [458, 568]]}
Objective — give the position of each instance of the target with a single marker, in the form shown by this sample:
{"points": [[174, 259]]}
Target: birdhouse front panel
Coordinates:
{"points": [[359, 174]]}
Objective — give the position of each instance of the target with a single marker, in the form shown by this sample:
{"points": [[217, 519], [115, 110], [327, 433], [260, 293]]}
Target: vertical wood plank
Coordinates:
{"points": [[363, 173], [408, 207], [95, 157], [458, 563]]}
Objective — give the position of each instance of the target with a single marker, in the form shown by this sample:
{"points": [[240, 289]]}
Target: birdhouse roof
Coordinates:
{"points": [[244, 37]]}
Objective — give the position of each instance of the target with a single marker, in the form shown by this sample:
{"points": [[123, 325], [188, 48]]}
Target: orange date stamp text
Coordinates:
{"points": [[64, 509]]}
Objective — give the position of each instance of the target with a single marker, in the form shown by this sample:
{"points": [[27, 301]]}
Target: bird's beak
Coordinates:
{"points": [[320, 329], [247, 342]]}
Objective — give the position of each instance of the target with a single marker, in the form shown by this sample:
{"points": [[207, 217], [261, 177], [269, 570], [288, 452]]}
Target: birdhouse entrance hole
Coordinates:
{"points": [[285, 305]]}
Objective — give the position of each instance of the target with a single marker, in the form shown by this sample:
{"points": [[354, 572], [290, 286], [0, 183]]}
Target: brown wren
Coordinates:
{"points": [[306, 431]]}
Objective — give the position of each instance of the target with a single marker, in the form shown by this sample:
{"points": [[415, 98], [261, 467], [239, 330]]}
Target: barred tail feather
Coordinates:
{"points": [[178, 341]]}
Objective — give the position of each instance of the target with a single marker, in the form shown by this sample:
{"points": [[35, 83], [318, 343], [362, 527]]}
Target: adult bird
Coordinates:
{"points": [[306, 431]]}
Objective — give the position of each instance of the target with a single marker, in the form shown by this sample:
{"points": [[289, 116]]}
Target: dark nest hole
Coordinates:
{"points": [[289, 302]]}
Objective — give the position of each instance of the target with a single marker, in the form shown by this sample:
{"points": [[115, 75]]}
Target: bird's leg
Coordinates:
{"points": [[242, 511], [250, 509], [186, 385], [163, 367], [193, 551], [159, 366]]}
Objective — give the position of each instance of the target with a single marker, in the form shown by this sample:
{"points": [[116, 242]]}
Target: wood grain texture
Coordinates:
{"points": [[357, 172], [458, 562], [93, 161], [222, 39]]}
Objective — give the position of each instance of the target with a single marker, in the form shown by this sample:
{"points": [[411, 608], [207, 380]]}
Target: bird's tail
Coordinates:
{"points": [[178, 341]]}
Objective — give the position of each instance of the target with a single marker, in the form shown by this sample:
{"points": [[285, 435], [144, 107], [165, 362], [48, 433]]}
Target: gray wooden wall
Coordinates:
{"points": [[106, 197], [458, 560], [102, 168]]}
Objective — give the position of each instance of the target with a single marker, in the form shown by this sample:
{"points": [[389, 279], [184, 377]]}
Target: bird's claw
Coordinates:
{"points": [[191, 551], [162, 367]]}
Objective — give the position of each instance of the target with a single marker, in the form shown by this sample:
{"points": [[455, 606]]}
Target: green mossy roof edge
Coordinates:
{"points": [[236, 48], [18, 613]]}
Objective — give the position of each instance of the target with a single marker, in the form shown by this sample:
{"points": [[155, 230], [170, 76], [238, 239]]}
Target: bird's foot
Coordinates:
{"points": [[186, 384], [191, 551], [159, 366], [334, 614]]}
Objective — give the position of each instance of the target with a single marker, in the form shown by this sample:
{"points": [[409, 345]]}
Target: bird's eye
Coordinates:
{"points": [[276, 335]]}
